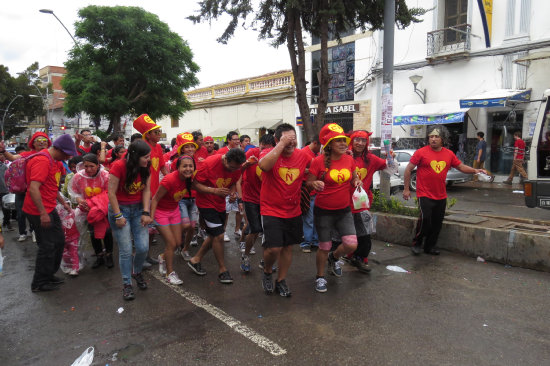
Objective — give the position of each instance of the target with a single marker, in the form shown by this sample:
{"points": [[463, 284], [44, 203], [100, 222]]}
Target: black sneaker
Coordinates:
{"points": [[98, 262], [262, 264], [225, 277], [416, 250], [360, 264], [151, 261], [333, 265], [109, 261], [128, 293], [267, 283], [56, 280], [282, 288], [45, 287], [197, 268], [141, 283]]}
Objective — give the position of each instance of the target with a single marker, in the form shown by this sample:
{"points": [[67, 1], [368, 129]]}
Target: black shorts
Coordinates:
{"points": [[252, 211], [279, 232], [213, 220]]}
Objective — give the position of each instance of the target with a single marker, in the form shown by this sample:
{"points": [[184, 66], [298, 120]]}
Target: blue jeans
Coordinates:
{"points": [[123, 237], [310, 234], [21, 218]]}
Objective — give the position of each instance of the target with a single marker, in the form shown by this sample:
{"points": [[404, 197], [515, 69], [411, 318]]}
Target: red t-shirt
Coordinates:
{"points": [[252, 181], [201, 154], [280, 192], [41, 169], [222, 150], [337, 180], [157, 162], [431, 172], [365, 172], [212, 173], [81, 150], [519, 146], [312, 156], [24, 154], [134, 195], [177, 189]]}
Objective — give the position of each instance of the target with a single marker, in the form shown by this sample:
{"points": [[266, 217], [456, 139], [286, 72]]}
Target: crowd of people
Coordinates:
{"points": [[288, 196]]}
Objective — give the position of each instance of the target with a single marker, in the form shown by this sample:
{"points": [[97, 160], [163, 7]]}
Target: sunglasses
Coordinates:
{"points": [[41, 139]]}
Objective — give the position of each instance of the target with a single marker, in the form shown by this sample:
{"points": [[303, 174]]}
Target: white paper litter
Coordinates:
{"points": [[396, 269], [120, 310], [517, 192], [480, 259]]}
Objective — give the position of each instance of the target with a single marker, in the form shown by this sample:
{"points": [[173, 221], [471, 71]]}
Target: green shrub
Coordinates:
{"points": [[394, 206]]}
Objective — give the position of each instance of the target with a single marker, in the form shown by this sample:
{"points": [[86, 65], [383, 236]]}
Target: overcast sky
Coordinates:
{"points": [[28, 36]]}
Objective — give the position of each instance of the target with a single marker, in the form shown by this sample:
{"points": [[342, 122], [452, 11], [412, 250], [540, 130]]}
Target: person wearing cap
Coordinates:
{"points": [[331, 175], [366, 165], [208, 142], [164, 208], [43, 173], [37, 142], [433, 162], [216, 178], [283, 168]]}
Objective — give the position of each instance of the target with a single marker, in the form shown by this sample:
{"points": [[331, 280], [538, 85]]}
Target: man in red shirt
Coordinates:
{"points": [[283, 172], [215, 179], [85, 136], [232, 140], [517, 163], [433, 162], [43, 173]]}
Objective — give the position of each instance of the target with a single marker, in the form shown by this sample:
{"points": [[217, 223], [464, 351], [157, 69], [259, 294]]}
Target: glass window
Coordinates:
{"points": [[175, 123], [341, 68]]}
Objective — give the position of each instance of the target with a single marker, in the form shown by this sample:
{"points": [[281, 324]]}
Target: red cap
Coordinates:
{"points": [[184, 139], [38, 134], [208, 138], [145, 124], [330, 132]]}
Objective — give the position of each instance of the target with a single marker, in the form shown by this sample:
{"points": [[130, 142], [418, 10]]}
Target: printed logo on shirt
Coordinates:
{"points": [[179, 195], [438, 166], [92, 191], [259, 172], [340, 176], [223, 183], [361, 173], [57, 178], [155, 163], [289, 175], [135, 188]]}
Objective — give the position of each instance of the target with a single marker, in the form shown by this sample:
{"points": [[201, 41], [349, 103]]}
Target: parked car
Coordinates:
{"points": [[403, 156], [395, 182]]}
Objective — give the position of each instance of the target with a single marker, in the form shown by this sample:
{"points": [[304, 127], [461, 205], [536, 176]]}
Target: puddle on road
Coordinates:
{"points": [[129, 351]]}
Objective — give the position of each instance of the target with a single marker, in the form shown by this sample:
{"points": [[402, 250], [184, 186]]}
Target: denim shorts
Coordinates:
{"points": [[188, 210]]}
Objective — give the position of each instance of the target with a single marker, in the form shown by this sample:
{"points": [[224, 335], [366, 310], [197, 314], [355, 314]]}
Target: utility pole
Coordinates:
{"points": [[387, 88]]}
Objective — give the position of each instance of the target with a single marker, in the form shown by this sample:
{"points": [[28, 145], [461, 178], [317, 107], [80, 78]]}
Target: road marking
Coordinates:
{"points": [[231, 322]]}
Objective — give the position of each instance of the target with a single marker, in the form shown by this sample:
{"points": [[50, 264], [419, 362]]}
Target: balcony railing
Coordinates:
{"points": [[449, 41], [277, 81]]}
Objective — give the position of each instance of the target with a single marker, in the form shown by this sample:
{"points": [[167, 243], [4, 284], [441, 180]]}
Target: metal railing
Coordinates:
{"points": [[448, 41], [283, 80]]}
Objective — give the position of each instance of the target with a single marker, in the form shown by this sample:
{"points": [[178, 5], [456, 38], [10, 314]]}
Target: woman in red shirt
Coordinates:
{"points": [[165, 210], [330, 175], [129, 199]]}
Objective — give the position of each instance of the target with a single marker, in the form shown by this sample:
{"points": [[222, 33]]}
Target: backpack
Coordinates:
{"points": [[15, 176]]}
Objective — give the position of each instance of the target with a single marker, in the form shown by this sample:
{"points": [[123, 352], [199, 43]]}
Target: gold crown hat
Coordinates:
{"points": [[145, 124], [330, 132], [184, 139]]}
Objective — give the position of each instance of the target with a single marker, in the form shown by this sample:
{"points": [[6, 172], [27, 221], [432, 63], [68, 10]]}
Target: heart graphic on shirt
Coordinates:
{"points": [[361, 173], [57, 177], [340, 176], [155, 163], [259, 172], [179, 195], [92, 191], [135, 188], [223, 183], [289, 175], [438, 166]]}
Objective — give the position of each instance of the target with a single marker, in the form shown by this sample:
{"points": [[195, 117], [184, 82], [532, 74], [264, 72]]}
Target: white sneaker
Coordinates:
{"points": [[173, 279], [22, 238], [242, 246], [225, 237], [73, 272], [252, 251], [34, 238], [185, 255], [238, 234], [162, 265], [194, 242]]}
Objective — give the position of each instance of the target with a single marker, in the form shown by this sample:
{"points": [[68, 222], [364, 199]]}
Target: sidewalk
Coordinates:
{"points": [[496, 184]]}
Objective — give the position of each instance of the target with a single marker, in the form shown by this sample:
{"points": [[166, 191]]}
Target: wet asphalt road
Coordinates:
{"points": [[449, 310]]}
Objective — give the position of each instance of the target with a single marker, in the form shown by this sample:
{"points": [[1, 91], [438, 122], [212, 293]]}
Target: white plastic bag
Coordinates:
{"points": [[86, 358], [360, 199], [1, 262]]}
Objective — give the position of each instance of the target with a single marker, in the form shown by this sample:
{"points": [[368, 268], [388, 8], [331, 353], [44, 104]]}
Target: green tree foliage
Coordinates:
{"points": [[24, 108], [284, 21], [128, 62]]}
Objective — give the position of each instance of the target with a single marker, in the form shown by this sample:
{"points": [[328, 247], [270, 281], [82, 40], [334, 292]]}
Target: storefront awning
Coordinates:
{"points": [[430, 113], [495, 98], [265, 123]]}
